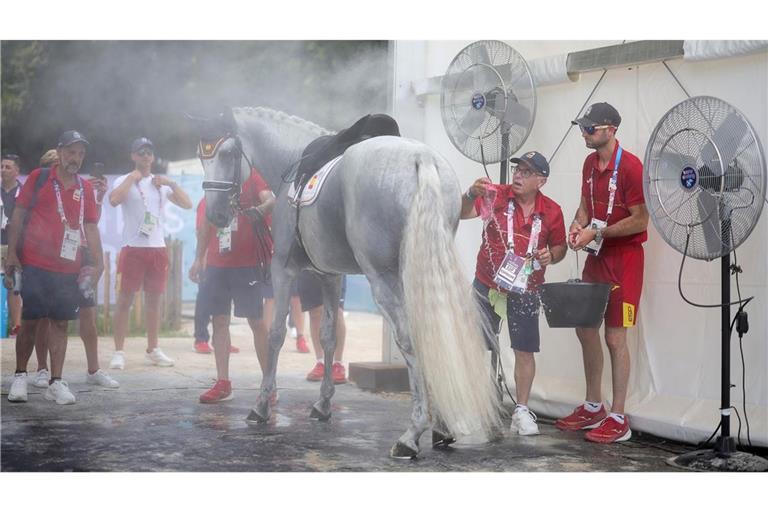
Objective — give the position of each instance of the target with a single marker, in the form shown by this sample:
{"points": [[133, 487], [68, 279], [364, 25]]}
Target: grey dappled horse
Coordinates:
{"points": [[389, 210]]}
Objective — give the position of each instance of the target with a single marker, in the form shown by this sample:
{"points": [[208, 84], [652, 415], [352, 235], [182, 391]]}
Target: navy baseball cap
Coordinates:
{"points": [[536, 160], [140, 143], [599, 114], [70, 137]]}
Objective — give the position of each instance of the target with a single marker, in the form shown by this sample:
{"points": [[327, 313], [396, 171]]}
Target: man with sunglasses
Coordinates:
{"points": [[10, 188], [143, 260], [523, 233], [610, 224]]}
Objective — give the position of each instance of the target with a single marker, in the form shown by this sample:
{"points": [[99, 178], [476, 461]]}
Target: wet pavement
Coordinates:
{"points": [[155, 422]]}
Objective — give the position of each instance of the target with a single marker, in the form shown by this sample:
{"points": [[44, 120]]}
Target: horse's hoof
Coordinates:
{"points": [[403, 451], [440, 440], [254, 418], [317, 414]]}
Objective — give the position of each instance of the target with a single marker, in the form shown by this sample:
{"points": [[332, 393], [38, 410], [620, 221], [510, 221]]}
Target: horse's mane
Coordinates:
{"points": [[282, 118]]}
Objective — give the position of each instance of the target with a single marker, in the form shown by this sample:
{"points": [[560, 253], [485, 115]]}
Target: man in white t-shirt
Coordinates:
{"points": [[143, 260]]}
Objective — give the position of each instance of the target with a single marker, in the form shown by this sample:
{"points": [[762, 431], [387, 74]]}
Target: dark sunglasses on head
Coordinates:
{"points": [[590, 130], [145, 152], [10, 156]]}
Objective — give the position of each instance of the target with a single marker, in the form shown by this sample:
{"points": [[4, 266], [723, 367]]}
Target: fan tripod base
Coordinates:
{"points": [[723, 458]]}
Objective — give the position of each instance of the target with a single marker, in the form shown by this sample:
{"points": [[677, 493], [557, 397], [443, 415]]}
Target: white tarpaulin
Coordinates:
{"points": [[675, 348]]}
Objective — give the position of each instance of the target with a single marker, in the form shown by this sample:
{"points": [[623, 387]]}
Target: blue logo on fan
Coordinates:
{"points": [[478, 101], [688, 177]]}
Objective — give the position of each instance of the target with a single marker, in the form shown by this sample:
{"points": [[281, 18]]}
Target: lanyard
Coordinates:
{"points": [[612, 186], [60, 204], [533, 241], [144, 198]]}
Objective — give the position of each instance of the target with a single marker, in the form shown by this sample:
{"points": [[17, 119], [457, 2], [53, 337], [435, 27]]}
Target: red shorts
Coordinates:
{"points": [[145, 267], [622, 266]]}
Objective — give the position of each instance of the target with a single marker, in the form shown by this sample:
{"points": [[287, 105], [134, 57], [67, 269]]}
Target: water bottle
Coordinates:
{"points": [[17, 281], [85, 282]]}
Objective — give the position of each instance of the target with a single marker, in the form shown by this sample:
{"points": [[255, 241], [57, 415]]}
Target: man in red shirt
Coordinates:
{"points": [[523, 232], [64, 210], [610, 225], [225, 266]]}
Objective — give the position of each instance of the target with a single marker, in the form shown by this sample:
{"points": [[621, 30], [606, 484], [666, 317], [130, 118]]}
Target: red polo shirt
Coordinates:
{"points": [[45, 232], [629, 192], [244, 251], [494, 242]]}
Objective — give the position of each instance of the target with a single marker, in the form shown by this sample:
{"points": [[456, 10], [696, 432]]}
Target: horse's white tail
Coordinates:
{"points": [[444, 320]]}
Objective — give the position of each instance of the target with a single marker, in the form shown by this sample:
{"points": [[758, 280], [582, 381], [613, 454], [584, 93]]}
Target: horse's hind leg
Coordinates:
{"points": [[388, 294], [331, 287], [281, 282]]}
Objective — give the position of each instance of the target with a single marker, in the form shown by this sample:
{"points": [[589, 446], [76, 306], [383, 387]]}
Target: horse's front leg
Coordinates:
{"points": [[281, 282], [331, 287]]}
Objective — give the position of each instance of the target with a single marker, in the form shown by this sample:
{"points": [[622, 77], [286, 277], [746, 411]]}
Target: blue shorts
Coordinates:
{"points": [[522, 317], [311, 293], [221, 286], [48, 294]]}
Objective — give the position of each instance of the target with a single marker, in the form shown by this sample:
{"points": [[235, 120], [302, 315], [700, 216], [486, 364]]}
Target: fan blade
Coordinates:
{"points": [[710, 228], [479, 54], [672, 163], [472, 122], [728, 137], [516, 114]]}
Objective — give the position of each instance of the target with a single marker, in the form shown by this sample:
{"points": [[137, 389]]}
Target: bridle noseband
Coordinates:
{"points": [[233, 187]]}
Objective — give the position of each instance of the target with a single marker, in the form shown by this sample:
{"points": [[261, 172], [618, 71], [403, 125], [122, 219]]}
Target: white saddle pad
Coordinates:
{"points": [[315, 183]]}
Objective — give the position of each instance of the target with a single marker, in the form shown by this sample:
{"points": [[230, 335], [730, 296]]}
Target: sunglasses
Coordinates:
{"points": [[145, 152], [590, 130]]}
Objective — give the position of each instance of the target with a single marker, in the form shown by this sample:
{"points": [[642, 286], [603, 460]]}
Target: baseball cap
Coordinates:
{"points": [[536, 160], [70, 137], [140, 143], [599, 114]]}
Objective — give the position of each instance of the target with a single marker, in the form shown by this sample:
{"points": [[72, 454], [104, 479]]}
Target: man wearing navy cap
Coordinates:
{"points": [[523, 233], [61, 210], [610, 225], [143, 260]]}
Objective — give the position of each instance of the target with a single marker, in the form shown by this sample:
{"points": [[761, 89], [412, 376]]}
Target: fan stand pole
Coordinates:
{"points": [[724, 457]]}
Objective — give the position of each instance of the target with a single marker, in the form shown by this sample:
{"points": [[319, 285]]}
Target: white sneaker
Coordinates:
{"points": [[18, 392], [42, 377], [100, 378], [524, 422], [60, 392], [157, 358], [118, 360]]}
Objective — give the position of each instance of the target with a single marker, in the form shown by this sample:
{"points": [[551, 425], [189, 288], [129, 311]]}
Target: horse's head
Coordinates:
{"points": [[221, 153]]}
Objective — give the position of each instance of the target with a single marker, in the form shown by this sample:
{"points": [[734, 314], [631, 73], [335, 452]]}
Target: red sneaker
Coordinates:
{"points": [[301, 344], [202, 347], [233, 349], [14, 331], [338, 373], [220, 392], [610, 431], [317, 372], [581, 419]]}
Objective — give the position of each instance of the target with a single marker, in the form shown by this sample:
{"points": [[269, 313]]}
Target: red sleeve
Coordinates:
{"points": [[252, 188], [633, 184], [91, 213], [557, 227], [585, 191], [25, 195]]}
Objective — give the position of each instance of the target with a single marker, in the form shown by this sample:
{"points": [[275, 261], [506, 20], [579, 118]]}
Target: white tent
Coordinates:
{"points": [[675, 348]]}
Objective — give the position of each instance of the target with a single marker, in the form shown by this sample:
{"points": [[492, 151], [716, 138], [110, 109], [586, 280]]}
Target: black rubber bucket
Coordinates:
{"points": [[575, 303]]}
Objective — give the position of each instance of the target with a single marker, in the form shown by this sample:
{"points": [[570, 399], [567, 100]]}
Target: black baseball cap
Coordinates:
{"points": [[140, 143], [536, 160], [70, 137], [599, 114]]}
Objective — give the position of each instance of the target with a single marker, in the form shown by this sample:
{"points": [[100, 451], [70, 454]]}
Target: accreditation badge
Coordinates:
{"points": [[593, 247], [148, 225], [510, 267], [71, 244], [225, 239]]}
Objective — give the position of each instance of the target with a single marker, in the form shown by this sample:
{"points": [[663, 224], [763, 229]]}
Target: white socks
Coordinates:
{"points": [[592, 406]]}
